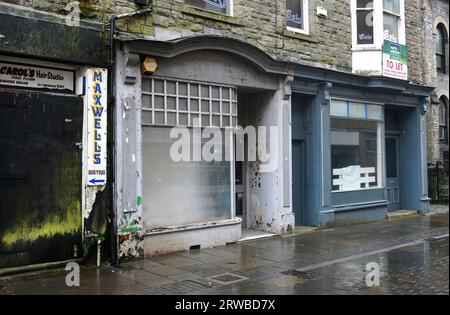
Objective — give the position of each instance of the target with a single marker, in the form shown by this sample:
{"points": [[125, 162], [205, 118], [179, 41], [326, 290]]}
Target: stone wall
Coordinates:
{"points": [[436, 12], [259, 22]]}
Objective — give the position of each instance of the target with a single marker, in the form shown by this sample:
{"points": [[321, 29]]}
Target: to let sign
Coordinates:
{"points": [[395, 60], [96, 101]]}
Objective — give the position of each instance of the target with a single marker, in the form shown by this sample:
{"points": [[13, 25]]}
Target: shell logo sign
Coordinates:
{"points": [[149, 65]]}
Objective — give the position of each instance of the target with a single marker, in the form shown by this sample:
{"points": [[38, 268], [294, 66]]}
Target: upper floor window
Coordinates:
{"points": [[364, 22], [440, 49], [297, 16], [216, 6], [391, 20], [443, 131], [373, 22]]}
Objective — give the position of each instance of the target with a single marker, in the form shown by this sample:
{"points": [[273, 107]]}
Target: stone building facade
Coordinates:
{"points": [[437, 30], [260, 23], [303, 67]]}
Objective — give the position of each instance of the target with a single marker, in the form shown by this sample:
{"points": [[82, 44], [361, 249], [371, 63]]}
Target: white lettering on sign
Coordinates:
{"points": [[36, 77], [96, 95]]}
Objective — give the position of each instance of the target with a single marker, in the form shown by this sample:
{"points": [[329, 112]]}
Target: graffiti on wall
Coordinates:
{"points": [[131, 237]]}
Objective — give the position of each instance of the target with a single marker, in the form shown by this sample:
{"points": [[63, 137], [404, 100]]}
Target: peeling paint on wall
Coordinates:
{"points": [[131, 236], [131, 246]]}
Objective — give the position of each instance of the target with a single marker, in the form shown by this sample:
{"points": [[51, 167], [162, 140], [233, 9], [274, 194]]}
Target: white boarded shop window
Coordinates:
{"points": [[185, 192], [356, 146], [180, 103], [181, 193]]}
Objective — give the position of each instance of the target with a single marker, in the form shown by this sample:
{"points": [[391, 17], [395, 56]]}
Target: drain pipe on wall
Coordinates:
{"points": [[112, 24]]}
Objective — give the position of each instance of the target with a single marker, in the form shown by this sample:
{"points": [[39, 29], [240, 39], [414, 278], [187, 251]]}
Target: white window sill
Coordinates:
{"points": [[298, 30], [356, 190], [366, 48]]}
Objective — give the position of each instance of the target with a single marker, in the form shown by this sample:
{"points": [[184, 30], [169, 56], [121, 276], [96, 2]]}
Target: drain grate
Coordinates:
{"points": [[299, 274], [227, 278]]}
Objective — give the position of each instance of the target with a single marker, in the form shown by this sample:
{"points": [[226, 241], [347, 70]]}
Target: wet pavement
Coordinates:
{"points": [[411, 254]]}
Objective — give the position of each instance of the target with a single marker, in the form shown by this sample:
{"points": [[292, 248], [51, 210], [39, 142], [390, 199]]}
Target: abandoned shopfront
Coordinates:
{"points": [[44, 135], [165, 204], [360, 143], [46, 202], [348, 148]]}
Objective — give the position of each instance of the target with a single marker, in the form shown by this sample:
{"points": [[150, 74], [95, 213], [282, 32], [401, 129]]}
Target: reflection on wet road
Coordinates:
{"points": [[410, 255]]}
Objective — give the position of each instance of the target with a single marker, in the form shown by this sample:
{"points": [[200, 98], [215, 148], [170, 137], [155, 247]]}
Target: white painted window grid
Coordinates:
{"points": [[167, 102]]}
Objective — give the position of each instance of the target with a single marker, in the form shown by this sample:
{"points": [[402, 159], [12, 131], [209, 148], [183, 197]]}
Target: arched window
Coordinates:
{"points": [[443, 121], [441, 41]]}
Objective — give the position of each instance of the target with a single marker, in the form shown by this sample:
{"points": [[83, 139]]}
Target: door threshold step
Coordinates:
{"points": [[299, 230], [401, 214], [250, 235]]}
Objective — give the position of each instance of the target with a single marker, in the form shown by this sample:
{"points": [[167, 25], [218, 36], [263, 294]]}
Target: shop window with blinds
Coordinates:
{"points": [[356, 146], [182, 103]]}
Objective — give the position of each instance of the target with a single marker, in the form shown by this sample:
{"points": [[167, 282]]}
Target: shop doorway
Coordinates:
{"points": [[40, 177], [239, 190], [299, 156], [392, 173], [298, 181]]}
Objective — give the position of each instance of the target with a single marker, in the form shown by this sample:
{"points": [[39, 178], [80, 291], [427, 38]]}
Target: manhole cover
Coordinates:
{"points": [[227, 278]]}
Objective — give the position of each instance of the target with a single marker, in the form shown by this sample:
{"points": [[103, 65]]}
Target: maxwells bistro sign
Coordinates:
{"points": [[18, 75], [395, 60], [96, 97]]}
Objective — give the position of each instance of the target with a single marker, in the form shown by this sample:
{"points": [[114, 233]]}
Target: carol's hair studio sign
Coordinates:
{"points": [[19, 75]]}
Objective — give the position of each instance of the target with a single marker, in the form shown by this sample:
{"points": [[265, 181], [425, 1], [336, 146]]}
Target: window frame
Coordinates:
{"points": [[440, 29], [380, 175], [210, 114], [305, 29], [230, 8], [231, 162], [443, 126], [378, 26], [355, 28]]}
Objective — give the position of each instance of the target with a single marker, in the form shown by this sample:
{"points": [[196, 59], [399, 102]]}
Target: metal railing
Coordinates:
{"points": [[438, 177]]}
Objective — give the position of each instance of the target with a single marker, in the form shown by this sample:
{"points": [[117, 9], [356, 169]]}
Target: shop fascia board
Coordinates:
{"points": [[170, 49], [344, 79]]}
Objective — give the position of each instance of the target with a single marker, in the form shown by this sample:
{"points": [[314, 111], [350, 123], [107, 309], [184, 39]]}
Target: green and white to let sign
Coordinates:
{"points": [[395, 60]]}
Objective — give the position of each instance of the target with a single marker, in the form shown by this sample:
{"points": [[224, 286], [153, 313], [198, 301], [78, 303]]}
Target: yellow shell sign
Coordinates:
{"points": [[149, 65]]}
